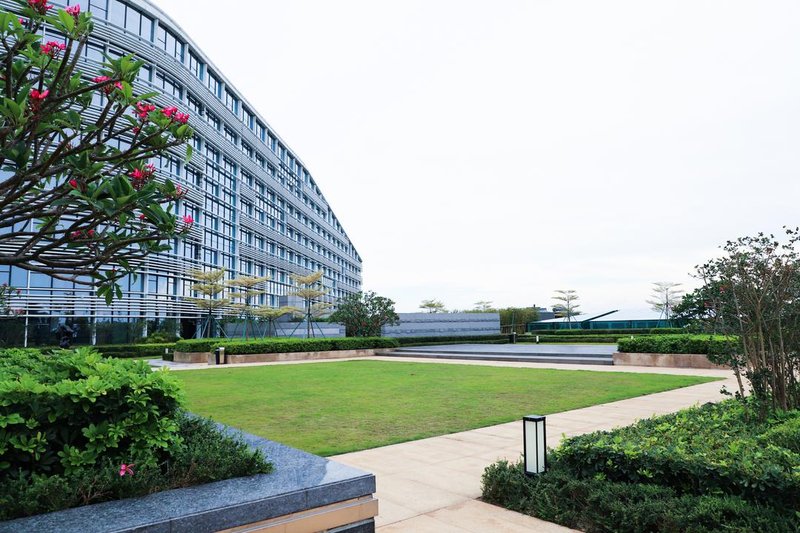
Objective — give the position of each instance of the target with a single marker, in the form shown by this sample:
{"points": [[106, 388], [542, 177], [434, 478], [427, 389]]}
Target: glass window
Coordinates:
{"points": [[116, 12]]}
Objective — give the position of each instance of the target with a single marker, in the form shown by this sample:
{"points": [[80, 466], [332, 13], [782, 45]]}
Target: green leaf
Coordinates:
{"points": [[67, 20]]}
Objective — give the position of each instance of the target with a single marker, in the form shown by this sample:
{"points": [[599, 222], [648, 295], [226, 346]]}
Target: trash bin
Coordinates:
{"points": [[219, 356], [513, 337]]}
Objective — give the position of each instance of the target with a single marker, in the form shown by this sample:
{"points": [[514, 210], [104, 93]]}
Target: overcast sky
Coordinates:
{"points": [[501, 150]]}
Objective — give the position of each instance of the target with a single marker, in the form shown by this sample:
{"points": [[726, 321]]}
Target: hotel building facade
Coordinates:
{"points": [[257, 209]]}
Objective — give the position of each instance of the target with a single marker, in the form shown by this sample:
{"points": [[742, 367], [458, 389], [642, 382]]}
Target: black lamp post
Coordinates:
{"points": [[534, 438]]}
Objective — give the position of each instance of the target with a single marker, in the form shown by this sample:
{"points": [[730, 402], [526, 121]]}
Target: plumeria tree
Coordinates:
{"points": [[74, 178]]}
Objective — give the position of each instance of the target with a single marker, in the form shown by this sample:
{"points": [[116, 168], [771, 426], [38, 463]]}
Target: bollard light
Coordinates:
{"points": [[534, 439]]}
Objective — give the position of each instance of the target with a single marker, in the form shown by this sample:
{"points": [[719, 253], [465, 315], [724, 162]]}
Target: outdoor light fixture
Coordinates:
{"points": [[534, 440]]}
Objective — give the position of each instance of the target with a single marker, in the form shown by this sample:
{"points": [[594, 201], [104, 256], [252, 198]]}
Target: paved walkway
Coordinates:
{"points": [[432, 485]]}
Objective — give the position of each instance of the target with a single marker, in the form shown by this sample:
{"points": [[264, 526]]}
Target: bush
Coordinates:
{"points": [[281, 345], [692, 344], [600, 505], [70, 410], [718, 448], [565, 339], [607, 332], [452, 339], [203, 455], [123, 351]]}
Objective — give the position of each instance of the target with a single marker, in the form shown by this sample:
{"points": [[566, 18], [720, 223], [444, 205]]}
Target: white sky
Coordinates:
{"points": [[502, 150]]}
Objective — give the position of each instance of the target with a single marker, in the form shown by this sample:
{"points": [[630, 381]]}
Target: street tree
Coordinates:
{"points": [[310, 290], [566, 304], [432, 306], [78, 199], [364, 314], [665, 296], [246, 289], [210, 285]]}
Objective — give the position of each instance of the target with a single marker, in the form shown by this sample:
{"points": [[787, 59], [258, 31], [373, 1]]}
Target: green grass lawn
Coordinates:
{"points": [[338, 407]]}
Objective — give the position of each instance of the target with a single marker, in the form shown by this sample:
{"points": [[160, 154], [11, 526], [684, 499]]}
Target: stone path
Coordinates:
{"points": [[432, 485]]}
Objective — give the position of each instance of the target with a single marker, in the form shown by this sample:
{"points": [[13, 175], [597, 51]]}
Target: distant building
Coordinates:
{"points": [[609, 320]]}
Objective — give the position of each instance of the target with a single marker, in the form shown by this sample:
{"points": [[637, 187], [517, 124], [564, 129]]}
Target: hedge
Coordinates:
{"points": [[699, 344], [452, 339], [633, 331], [710, 468], [123, 351], [717, 448], [68, 410], [600, 505], [281, 345], [565, 339]]}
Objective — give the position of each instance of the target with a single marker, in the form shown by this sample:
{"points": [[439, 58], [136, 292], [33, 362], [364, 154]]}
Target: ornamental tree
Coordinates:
{"points": [[210, 285], [309, 289], [665, 297], [247, 289], [753, 291], [433, 306], [567, 305], [364, 314], [78, 199]]}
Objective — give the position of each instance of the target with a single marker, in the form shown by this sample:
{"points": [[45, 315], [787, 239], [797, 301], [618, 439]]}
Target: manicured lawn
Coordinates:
{"points": [[331, 408]]}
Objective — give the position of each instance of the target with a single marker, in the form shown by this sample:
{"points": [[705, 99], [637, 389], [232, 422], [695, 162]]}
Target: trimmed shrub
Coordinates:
{"points": [[64, 412], [124, 351], [608, 332], [203, 454], [566, 339], [472, 339], [280, 345], [599, 505], [717, 448], [697, 344]]}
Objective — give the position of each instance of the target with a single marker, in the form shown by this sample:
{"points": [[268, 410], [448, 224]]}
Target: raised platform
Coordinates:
{"points": [[208, 357], [304, 493], [670, 360], [530, 353]]}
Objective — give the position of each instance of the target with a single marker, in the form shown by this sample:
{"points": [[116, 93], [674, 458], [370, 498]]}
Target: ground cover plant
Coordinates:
{"points": [[713, 468], [331, 408], [73, 422]]}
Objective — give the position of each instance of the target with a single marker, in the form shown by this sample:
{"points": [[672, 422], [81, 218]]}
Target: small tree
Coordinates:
{"points": [[665, 296], [566, 304], [432, 306], [272, 314], [754, 293], [484, 306], [309, 288], [75, 180], [7, 293], [364, 314], [210, 284], [243, 297]]}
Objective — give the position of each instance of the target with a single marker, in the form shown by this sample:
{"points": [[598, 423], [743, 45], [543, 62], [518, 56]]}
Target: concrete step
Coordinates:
{"points": [[524, 358]]}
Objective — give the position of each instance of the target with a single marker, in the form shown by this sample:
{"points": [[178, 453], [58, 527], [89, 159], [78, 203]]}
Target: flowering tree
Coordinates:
{"points": [[73, 180], [753, 292], [364, 313]]}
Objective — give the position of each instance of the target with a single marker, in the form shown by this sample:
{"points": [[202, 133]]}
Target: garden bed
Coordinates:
{"points": [[711, 468]]}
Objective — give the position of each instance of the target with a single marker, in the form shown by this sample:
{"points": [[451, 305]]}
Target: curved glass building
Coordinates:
{"points": [[258, 210]]}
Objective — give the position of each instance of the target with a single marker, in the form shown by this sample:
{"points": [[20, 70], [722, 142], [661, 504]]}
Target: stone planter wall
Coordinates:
{"points": [[304, 493], [207, 357], [672, 360]]}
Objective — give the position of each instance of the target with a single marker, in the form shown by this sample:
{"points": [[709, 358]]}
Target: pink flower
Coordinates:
{"points": [[143, 110], [90, 233], [188, 220], [142, 217], [37, 97], [75, 235], [40, 6], [52, 48], [140, 176], [73, 183], [169, 111], [136, 130], [108, 87], [126, 469], [74, 10], [183, 118], [22, 21], [100, 79]]}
